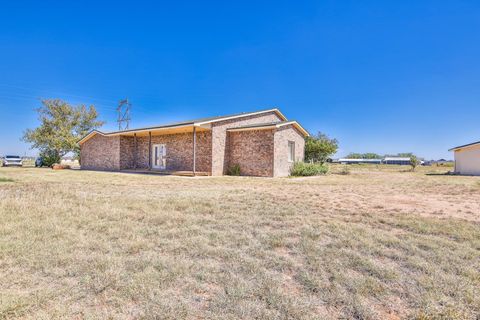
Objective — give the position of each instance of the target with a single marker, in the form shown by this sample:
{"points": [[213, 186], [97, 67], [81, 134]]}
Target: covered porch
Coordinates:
{"points": [[183, 150]]}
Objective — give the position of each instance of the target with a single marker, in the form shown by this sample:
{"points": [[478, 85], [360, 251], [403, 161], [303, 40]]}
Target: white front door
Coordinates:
{"points": [[159, 156]]}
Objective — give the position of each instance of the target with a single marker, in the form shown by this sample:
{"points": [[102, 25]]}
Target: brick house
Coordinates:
{"points": [[263, 143]]}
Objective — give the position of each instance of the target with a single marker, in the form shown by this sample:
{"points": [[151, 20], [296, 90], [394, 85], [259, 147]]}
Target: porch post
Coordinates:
{"points": [[150, 150], [135, 150], [194, 149]]}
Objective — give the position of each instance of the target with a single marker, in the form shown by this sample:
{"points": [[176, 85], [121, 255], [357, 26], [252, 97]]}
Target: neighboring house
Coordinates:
{"points": [[467, 158], [262, 143]]}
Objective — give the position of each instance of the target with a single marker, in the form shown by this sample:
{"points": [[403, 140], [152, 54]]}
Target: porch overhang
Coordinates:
{"points": [[145, 132], [162, 131]]}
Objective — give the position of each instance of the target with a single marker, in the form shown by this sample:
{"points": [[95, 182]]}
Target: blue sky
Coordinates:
{"points": [[380, 76]]}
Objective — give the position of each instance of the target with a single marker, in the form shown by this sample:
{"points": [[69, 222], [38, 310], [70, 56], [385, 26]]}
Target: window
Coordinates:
{"points": [[291, 151]]}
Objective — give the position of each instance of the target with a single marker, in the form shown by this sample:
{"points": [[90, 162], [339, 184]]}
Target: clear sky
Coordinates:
{"points": [[380, 76]]}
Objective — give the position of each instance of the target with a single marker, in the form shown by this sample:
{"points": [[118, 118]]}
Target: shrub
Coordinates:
{"points": [[345, 170], [234, 170], [50, 157], [414, 162], [303, 169]]}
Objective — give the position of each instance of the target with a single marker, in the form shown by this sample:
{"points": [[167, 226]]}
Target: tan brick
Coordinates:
{"points": [[252, 150], [101, 153], [219, 137], [282, 136]]}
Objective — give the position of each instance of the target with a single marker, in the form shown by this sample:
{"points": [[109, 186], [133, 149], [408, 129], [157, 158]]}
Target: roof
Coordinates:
{"points": [[396, 159], [464, 146], [195, 122], [271, 125], [359, 160]]}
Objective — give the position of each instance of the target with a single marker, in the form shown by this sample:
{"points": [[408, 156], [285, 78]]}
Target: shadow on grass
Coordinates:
{"points": [[446, 174]]}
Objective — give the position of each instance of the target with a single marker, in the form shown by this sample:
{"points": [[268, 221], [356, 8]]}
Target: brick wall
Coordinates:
{"points": [[117, 152], [252, 150], [127, 146], [101, 153], [282, 136], [179, 155], [219, 137]]}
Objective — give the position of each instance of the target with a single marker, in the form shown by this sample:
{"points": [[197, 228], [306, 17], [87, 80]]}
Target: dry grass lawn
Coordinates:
{"points": [[378, 243]]}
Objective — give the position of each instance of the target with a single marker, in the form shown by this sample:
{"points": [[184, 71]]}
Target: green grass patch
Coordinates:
{"points": [[3, 179]]}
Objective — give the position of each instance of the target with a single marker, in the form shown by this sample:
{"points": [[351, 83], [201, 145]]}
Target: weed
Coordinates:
{"points": [[234, 170]]}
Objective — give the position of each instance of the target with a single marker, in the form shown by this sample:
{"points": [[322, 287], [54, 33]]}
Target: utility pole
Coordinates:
{"points": [[123, 111]]}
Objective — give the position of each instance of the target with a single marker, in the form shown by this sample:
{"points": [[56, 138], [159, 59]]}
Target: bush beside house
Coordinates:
{"points": [[305, 169]]}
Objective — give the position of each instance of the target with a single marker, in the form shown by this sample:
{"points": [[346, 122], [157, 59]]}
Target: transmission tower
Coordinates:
{"points": [[123, 111]]}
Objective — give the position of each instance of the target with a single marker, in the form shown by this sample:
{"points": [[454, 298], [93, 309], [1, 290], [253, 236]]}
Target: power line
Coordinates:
{"points": [[97, 102], [58, 93]]}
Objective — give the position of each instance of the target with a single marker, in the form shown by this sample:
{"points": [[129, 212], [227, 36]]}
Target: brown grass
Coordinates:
{"points": [[377, 243]]}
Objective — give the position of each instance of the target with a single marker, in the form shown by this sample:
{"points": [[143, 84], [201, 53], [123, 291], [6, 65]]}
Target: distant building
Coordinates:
{"points": [[358, 161], [397, 160], [386, 160], [467, 158]]}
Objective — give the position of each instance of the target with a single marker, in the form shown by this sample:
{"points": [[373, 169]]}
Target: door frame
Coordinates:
{"points": [[162, 161]]}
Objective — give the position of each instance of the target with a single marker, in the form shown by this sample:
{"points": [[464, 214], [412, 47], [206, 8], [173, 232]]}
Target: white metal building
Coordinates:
{"points": [[467, 158], [397, 160], [357, 161]]}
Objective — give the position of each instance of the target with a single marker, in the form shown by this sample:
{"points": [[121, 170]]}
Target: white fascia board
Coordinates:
{"points": [[90, 135], [296, 124], [205, 126], [465, 146]]}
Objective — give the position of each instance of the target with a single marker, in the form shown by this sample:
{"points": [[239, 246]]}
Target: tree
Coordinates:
{"points": [[371, 155], [405, 154], [414, 162], [61, 126], [319, 148], [368, 155], [354, 155]]}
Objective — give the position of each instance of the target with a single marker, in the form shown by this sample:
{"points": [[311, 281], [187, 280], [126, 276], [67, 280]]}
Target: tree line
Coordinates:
{"points": [[371, 155]]}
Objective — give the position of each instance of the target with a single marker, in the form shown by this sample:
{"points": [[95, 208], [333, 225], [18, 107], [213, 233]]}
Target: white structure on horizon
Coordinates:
{"points": [[467, 158], [397, 160], [386, 160], [354, 161]]}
